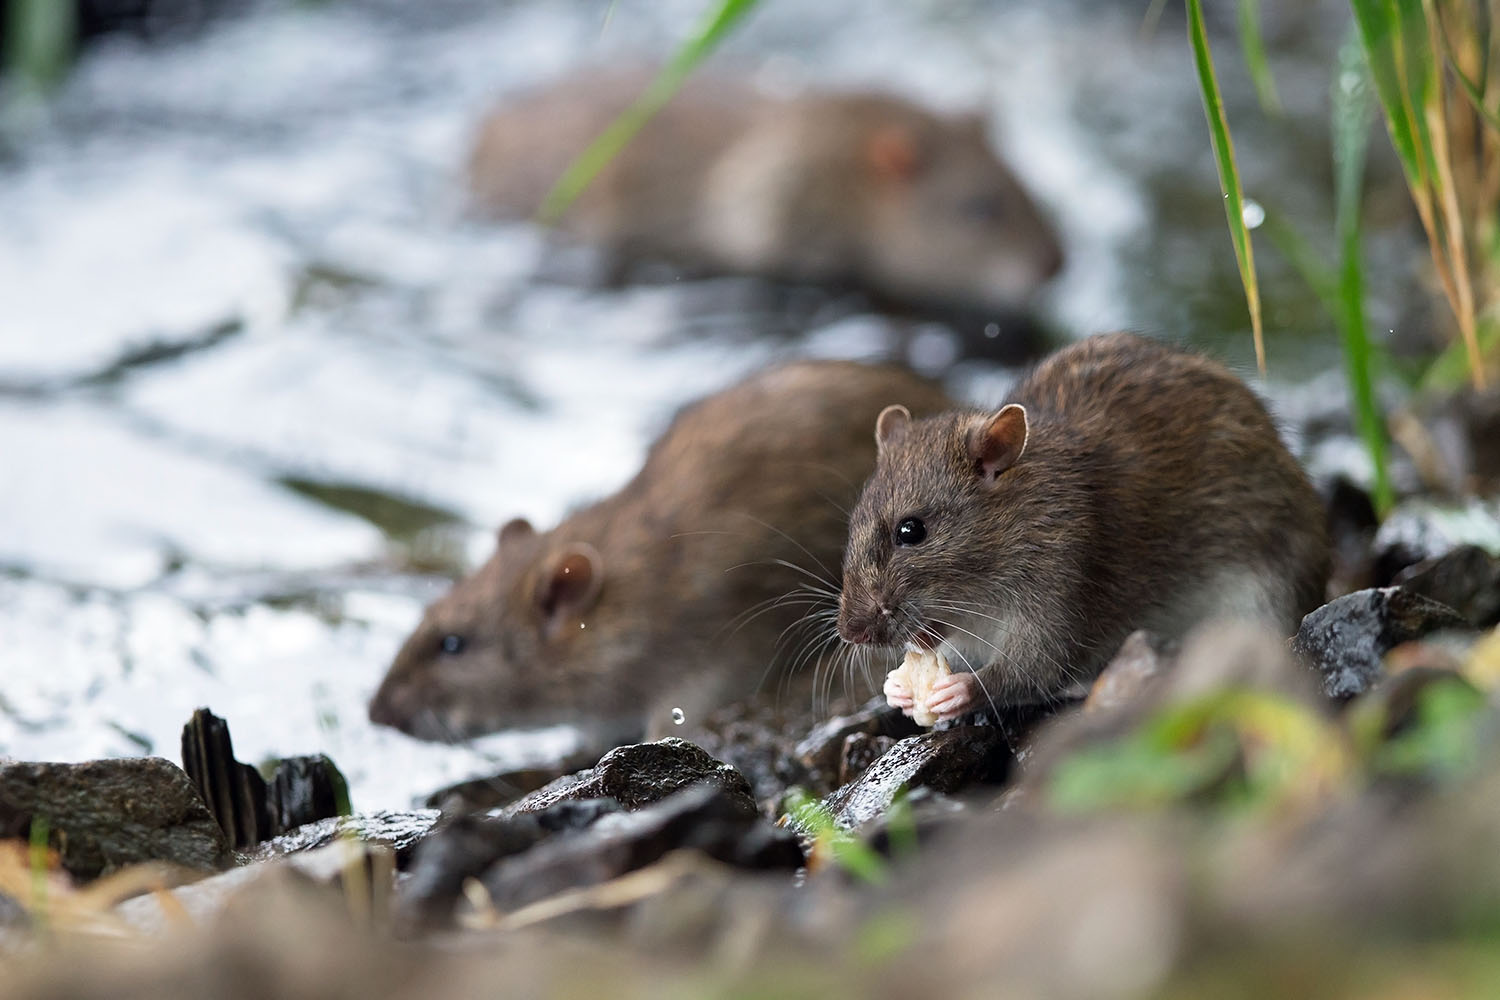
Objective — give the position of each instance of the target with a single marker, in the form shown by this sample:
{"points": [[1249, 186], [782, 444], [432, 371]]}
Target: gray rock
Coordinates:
{"points": [[105, 814], [1346, 640], [705, 817], [642, 774], [398, 831], [945, 761], [1467, 579], [822, 751]]}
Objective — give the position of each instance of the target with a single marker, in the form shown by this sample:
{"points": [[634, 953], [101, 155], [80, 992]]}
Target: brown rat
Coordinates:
{"points": [[1126, 485], [685, 588], [861, 189]]}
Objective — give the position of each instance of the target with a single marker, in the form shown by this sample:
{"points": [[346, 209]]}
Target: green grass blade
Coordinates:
{"points": [[1352, 113], [715, 25], [1382, 44], [1254, 48], [39, 41], [1229, 175]]}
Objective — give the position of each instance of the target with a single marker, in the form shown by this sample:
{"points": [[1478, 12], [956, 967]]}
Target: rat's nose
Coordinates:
{"points": [[871, 627]]}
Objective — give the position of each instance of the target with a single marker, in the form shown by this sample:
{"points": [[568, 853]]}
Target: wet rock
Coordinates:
{"points": [[444, 861], [860, 750], [639, 775], [928, 814], [821, 753], [1420, 530], [1346, 640], [1467, 579], [304, 790], [705, 817], [234, 792], [469, 846], [757, 737], [946, 760], [1128, 674], [398, 831], [105, 814]]}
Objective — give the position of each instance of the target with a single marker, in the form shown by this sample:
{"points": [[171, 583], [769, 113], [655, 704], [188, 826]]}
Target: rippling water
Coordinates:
{"points": [[262, 385]]}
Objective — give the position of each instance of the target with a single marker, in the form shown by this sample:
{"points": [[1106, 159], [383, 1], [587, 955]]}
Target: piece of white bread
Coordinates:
{"points": [[922, 669]]}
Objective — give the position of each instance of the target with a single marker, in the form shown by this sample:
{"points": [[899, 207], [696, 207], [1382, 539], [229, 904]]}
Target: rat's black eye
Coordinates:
{"points": [[911, 531], [452, 645]]}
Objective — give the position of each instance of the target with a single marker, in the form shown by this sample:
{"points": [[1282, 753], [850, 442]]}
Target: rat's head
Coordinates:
{"points": [[931, 534], [946, 220], [508, 646]]}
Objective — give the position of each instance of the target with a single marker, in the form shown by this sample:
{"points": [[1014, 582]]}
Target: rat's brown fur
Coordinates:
{"points": [[648, 599], [1152, 492], [850, 188]]}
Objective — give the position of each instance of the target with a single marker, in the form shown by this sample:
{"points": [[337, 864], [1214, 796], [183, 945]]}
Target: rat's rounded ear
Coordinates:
{"points": [[893, 153], [891, 425], [570, 585], [997, 441], [513, 531]]}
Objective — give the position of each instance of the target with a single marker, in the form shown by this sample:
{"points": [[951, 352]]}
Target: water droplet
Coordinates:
{"points": [[582, 625], [678, 717], [992, 330], [1253, 214]]}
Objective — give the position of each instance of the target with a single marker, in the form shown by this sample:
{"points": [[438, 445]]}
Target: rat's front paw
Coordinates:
{"points": [[897, 693], [955, 695]]}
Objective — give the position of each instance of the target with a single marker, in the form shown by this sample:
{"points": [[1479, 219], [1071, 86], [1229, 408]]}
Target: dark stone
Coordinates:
{"points": [[304, 790], [945, 760], [642, 774], [1466, 579], [860, 750], [1346, 640], [705, 817], [1420, 530], [463, 849], [105, 814], [822, 752], [468, 846], [929, 814], [399, 831], [235, 792]]}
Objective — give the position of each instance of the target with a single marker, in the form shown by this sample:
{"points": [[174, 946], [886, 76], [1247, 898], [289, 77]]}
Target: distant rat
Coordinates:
{"points": [[685, 588], [1126, 485], [860, 189]]}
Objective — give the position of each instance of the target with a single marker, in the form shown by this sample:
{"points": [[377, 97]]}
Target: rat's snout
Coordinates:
{"points": [[866, 622]]}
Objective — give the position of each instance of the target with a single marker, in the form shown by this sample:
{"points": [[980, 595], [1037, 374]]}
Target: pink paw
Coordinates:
{"points": [[955, 695], [897, 694]]}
